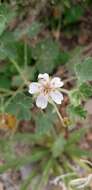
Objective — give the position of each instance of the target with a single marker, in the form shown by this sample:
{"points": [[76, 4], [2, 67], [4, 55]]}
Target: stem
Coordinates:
{"points": [[64, 91], [62, 177], [9, 93], [70, 79], [86, 161], [2, 105], [58, 113], [14, 94], [5, 90], [2, 110], [5, 93], [19, 71], [25, 55], [53, 130]]}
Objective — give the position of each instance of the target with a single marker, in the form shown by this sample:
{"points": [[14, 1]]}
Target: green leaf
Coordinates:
{"points": [[79, 94], [64, 57], [15, 51], [46, 54], [51, 113], [20, 46], [27, 138], [6, 149], [19, 162], [7, 12], [6, 15], [2, 24], [75, 136], [77, 152], [31, 31], [5, 82], [3, 68], [86, 90], [84, 70], [77, 111], [17, 81], [34, 29], [8, 51], [73, 14], [29, 74], [75, 97], [44, 123], [58, 146], [7, 37], [20, 106]]}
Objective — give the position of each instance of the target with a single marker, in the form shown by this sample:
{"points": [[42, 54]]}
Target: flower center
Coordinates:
{"points": [[47, 89]]}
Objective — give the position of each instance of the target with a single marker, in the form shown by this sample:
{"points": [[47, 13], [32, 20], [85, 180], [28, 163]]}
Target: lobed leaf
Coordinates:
{"points": [[84, 70], [20, 106], [77, 111], [46, 54]]}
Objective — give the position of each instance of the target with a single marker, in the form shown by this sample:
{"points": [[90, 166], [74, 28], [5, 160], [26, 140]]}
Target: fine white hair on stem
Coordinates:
{"points": [[59, 179], [86, 162], [80, 183]]}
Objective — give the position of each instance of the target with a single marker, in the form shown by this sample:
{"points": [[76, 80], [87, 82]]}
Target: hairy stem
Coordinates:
{"points": [[64, 91], [20, 72], [25, 55], [58, 113]]}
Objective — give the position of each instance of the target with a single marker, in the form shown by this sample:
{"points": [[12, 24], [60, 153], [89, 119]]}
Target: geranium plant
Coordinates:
{"points": [[41, 108]]}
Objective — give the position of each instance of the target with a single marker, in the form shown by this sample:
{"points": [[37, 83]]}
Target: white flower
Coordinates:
{"points": [[46, 89]]}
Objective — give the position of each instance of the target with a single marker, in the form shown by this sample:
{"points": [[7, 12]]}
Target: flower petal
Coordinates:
{"points": [[56, 82], [44, 76], [42, 101], [56, 96], [34, 88]]}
